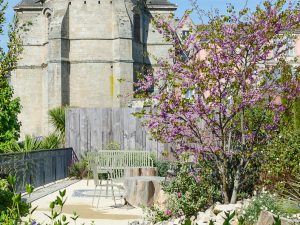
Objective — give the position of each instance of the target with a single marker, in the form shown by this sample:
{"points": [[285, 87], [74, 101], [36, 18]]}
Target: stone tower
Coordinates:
{"points": [[76, 51]]}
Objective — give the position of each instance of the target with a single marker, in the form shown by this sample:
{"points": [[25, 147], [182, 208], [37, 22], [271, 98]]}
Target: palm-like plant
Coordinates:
{"points": [[51, 142], [57, 119], [29, 144]]}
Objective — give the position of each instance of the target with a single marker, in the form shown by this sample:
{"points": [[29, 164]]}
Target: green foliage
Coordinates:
{"points": [[277, 220], [162, 165], [79, 169], [296, 112], [9, 106], [3, 185], [155, 214], [12, 207], [229, 217], [291, 190], [57, 119], [187, 194], [288, 206], [112, 146], [282, 158], [32, 143], [29, 144], [52, 141], [263, 201], [190, 194]]}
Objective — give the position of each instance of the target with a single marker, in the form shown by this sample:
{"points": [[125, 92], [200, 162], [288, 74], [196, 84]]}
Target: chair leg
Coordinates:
{"points": [[106, 194], [87, 180], [100, 193], [113, 192], [94, 195], [119, 192]]}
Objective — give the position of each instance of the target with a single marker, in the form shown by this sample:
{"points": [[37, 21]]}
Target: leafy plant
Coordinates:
{"points": [[162, 165], [57, 119], [288, 206], [156, 214], [9, 106], [112, 146], [52, 141], [282, 158], [15, 208], [187, 194], [12, 207], [277, 220], [29, 144], [292, 190], [263, 201], [3, 185], [79, 169], [229, 217], [32, 143]]}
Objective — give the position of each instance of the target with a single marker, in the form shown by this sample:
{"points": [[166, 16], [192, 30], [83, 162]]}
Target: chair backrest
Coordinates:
{"points": [[116, 161]]}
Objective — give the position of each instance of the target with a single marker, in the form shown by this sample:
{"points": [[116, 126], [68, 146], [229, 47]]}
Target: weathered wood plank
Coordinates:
{"points": [[92, 129]]}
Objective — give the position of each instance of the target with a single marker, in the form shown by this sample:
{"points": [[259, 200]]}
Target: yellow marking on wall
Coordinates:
{"points": [[112, 86]]}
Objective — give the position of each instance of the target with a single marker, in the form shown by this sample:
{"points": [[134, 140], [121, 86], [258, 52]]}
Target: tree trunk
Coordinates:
{"points": [[236, 186], [223, 173]]}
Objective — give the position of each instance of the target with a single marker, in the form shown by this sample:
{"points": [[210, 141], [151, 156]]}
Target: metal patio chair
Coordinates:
{"points": [[99, 183], [102, 168]]}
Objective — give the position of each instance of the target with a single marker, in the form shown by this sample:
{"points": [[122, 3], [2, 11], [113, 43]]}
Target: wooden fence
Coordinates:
{"points": [[91, 129]]}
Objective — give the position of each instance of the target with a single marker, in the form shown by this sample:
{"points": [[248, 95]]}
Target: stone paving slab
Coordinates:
{"points": [[44, 191], [79, 198]]}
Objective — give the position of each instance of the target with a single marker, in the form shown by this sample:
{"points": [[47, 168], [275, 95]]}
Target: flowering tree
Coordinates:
{"points": [[241, 82]]}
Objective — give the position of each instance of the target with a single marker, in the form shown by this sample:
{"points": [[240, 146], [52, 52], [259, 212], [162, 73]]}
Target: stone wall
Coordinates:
{"points": [[75, 53]]}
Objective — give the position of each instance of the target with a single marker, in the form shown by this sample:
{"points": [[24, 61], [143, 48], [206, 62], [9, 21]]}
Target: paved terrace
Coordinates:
{"points": [[79, 199]]}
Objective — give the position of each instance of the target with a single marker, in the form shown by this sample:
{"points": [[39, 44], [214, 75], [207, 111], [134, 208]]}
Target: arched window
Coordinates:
{"points": [[48, 17], [137, 27]]}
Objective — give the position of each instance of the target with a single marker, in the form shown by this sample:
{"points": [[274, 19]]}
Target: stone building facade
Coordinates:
{"points": [[77, 51]]}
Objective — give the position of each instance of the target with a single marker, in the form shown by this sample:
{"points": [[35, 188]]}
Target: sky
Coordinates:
{"points": [[182, 6]]}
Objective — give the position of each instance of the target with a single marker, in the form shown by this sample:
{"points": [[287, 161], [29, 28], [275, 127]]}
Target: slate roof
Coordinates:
{"points": [[29, 3], [159, 2], [150, 2], [36, 3]]}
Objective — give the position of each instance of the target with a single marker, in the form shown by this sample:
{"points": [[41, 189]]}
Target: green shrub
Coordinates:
{"points": [[12, 207], [15, 208], [287, 206], [52, 141], [162, 166], [112, 146], [6, 202], [187, 194], [32, 143], [155, 214], [263, 201], [79, 169], [282, 158], [3, 185]]}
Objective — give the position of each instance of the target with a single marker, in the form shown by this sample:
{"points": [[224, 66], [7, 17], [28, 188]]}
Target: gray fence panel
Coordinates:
{"points": [[90, 129], [37, 167]]}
